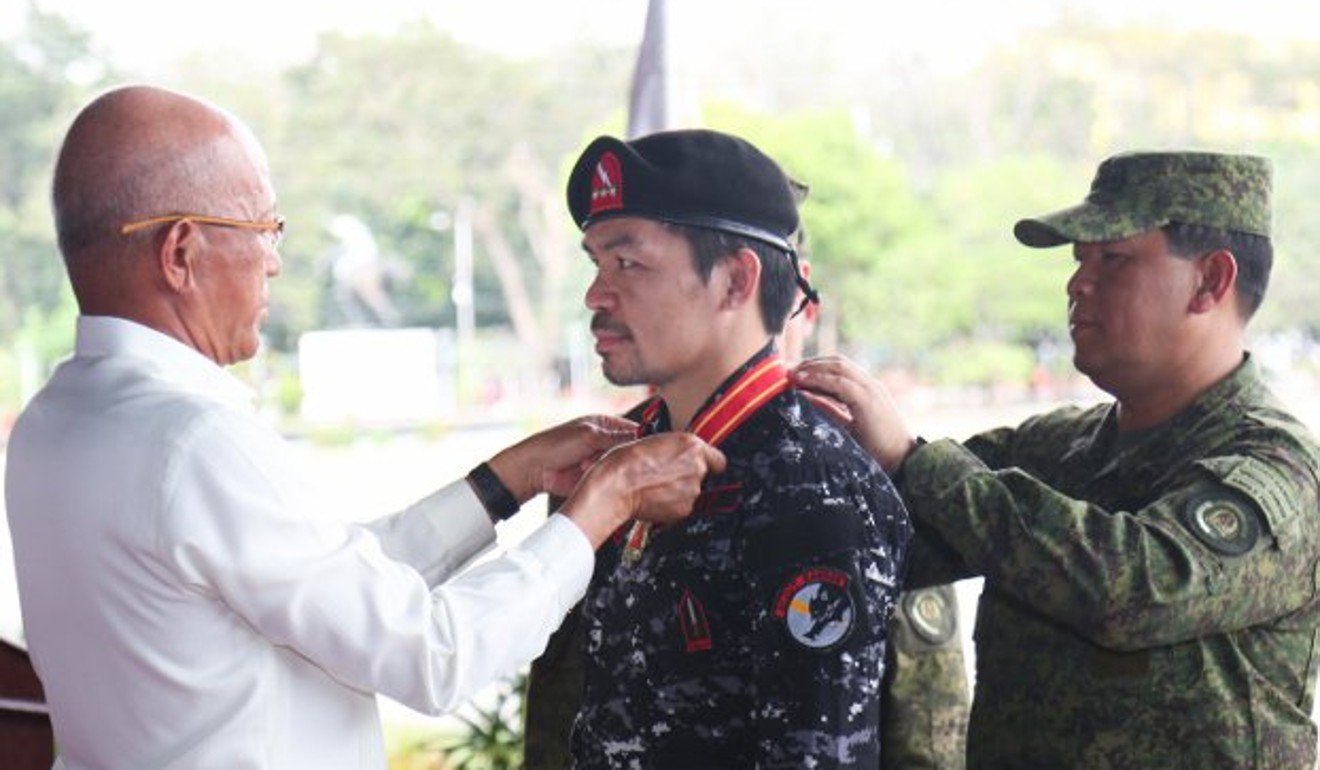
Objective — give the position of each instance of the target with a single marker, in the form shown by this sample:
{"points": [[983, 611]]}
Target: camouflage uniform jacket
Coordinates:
{"points": [[924, 700], [753, 634], [1150, 599]]}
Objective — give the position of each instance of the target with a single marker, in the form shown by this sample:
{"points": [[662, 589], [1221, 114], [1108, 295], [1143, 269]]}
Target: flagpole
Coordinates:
{"points": [[650, 100]]}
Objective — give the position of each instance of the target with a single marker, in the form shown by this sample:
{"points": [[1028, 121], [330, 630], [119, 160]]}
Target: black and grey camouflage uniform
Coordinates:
{"points": [[753, 634], [924, 698], [1151, 599]]}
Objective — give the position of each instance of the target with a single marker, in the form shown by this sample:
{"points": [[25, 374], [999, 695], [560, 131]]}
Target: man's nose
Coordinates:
{"points": [[599, 296], [1082, 281]]}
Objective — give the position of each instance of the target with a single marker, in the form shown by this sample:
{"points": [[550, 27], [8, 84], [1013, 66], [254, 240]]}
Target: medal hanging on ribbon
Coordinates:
{"points": [[757, 386]]}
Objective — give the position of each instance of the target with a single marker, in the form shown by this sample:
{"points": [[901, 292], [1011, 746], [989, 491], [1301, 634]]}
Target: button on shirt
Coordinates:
{"points": [[188, 605]]}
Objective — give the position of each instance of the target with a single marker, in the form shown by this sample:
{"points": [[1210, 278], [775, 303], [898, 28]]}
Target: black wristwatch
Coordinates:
{"points": [[496, 498]]}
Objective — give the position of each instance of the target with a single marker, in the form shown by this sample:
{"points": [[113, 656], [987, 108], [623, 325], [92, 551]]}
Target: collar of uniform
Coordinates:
{"points": [[1165, 437], [1246, 377], [170, 359], [737, 397]]}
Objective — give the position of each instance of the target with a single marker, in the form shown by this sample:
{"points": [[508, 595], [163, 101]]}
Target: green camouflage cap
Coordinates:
{"points": [[1137, 192]]}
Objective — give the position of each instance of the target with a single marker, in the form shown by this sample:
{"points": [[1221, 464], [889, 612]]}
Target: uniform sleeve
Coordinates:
{"points": [[925, 703], [1230, 544], [826, 589], [236, 525], [931, 562]]}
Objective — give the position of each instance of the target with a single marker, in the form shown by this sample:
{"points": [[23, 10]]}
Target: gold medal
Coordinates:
{"points": [[638, 535]]}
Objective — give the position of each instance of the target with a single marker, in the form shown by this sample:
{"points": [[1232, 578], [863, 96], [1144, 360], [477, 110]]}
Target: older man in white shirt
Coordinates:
{"points": [[184, 604]]}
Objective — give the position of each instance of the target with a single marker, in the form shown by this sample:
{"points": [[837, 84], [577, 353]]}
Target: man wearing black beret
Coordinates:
{"points": [[754, 635]]}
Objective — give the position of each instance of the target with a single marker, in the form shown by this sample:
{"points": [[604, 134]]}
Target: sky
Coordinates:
{"points": [[146, 36]]}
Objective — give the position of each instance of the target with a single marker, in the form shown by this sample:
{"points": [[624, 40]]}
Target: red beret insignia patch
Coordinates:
{"points": [[607, 184]]}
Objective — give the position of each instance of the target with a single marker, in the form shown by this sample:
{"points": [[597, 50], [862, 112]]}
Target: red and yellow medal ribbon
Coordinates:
{"points": [[748, 393], [757, 386]]}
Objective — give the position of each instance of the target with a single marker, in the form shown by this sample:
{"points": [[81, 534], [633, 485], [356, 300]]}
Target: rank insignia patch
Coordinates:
{"points": [[929, 614], [607, 184], [692, 619], [817, 608], [1225, 522]]}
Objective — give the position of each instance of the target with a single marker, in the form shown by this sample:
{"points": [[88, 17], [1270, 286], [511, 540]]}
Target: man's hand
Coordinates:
{"points": [[554, 460], [654, 479], [858, 402]]}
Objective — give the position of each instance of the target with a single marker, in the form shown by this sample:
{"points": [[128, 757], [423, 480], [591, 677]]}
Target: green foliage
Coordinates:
{"points": [[44, 73], [994, 286], [982, 364], [1291, 302], [42, 337], [917, 176], [493, 739], [288, 392], [912, 270], [862, 219], [402, 130]]}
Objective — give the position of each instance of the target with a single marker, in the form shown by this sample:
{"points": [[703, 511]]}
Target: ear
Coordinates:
{"points": [[744, 279], [178, 255], [1216, 281]]}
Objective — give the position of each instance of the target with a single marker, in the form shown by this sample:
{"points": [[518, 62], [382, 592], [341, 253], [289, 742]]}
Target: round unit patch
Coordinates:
{"points": [[929, 614], [817, 608], [1225, 522]]}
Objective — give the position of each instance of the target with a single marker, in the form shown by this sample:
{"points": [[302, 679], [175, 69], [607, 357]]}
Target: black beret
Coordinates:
{"points": [[691, 177]]}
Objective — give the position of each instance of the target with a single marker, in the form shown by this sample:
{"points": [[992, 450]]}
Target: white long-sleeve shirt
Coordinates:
{"points": [[186, 605]]}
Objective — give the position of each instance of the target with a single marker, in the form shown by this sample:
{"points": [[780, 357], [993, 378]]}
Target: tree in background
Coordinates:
{"points": [[412, 131], [916, 175], [1067, 95], [44, 75], [907, 272]]}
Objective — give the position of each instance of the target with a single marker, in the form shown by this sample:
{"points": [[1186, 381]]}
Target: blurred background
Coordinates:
{"points": [[430, 306]]}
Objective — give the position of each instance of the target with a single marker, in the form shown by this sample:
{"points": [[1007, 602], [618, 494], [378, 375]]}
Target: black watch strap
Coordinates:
{"points": [[498, 501]]}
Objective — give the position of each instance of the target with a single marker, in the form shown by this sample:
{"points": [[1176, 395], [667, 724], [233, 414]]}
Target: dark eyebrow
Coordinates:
{"points": [[626, 239], [1105, 250]]}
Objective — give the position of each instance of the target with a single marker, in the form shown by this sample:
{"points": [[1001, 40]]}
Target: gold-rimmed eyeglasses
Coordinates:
{"points": [[273, 226]]}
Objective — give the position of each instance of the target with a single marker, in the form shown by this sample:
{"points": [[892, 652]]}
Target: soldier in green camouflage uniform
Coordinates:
{"points": [[1151, 565], [924, 700]]}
